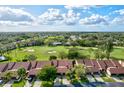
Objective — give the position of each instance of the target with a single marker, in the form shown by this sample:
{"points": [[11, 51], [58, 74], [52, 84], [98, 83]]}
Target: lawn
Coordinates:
{"points": [[19, 84], [43, 52], [108, 79]]}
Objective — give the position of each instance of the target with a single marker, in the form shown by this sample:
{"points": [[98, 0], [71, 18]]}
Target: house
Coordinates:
{"points": [[36, 67], [62, 66], [117, 64], [115, 71], [88, 63], [56, 43], [26, 65], [92, 70], [11, 65], [96, 63], [109, 63], [3, 67], [41, 64], [33, 72], [2, 58], [102, 64], [33, 64]]}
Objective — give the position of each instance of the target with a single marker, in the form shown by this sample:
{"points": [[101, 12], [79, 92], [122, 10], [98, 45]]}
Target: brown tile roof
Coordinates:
{"points": [[33, 72], [102, 64], [80, 61], [116, 70], [88, 63], [3, 67], [65, 63], [42, 64], [33, 64], [54, 63], [95, 63], [109, 63], [25, 65], [92, 70], [116, 63], [10, 65], [62, 69]]}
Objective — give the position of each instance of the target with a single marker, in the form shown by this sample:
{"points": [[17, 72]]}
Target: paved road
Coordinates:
{"points": [[37, 83], [28, 84], [66, 82], [117, 79], [99, 84], [8, 84], [57, 82], [91, 78], [98, 78]]}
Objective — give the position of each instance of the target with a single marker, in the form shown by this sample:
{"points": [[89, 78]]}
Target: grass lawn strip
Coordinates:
{"points": [[108, 79], [21, 83]]}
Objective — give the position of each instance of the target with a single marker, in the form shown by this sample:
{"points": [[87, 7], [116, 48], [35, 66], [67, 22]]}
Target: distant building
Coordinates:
{"points": [[2, 58], [56, 43]]}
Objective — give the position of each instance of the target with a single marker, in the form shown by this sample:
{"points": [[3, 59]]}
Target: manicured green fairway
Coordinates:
{"points": [[43, 52]]}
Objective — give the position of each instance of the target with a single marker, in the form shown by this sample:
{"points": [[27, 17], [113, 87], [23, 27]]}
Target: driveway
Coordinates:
{"points": [[117, 79], [91, 78], [98, 78], [8, 84], [57, 82], [28, 84], [66, 82], [37, 83]]}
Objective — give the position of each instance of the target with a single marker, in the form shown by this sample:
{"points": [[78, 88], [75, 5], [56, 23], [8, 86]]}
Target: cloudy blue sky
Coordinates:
{"points": [[62, 18]]}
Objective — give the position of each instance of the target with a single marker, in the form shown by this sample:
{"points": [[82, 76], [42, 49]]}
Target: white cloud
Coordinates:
{"points": [[50, 16], [53, 16], [85, 7], [11, 14], [77, 6], [118, 21], [94, 19], [15, 17], [71, 18], [121, 11]]}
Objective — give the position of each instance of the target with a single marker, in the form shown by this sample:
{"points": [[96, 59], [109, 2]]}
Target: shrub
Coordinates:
{"points": [[47, 83], [52, 57]]}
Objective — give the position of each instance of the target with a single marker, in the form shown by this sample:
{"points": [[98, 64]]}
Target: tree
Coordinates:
{"points": [[22, 72], [52, 57], [47, 73], [62, 54], [7, 76], [30, 57], [99, 54], [73, 53], [80, 71], [108, 48]]}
